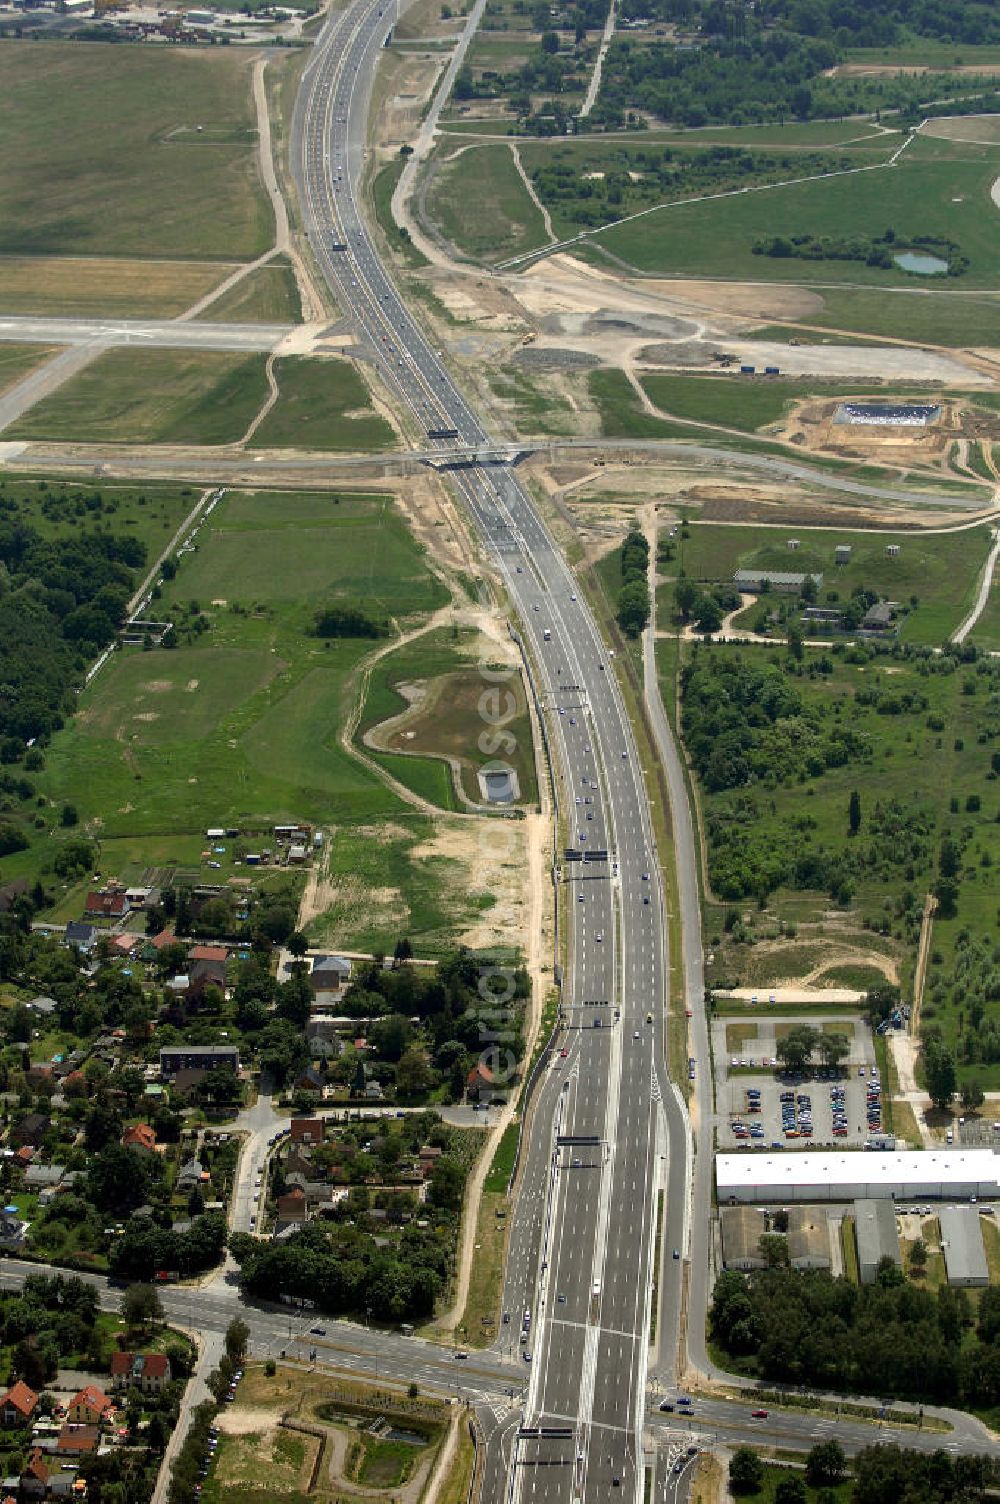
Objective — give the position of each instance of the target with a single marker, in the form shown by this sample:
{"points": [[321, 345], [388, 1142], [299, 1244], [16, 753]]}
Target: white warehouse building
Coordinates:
{"points": [[946, 1174]]}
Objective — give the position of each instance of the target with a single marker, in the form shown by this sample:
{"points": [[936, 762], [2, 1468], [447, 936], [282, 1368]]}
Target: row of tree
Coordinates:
{"points": [[890, 1338], [633, 604]]}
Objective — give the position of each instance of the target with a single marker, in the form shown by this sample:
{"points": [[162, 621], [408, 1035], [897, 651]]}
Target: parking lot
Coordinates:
{"points": [[759, 1106]]}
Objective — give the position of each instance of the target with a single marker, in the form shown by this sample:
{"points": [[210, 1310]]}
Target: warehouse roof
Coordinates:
{"points": [[962, 1243], [943, 1167], [876, 1234]]}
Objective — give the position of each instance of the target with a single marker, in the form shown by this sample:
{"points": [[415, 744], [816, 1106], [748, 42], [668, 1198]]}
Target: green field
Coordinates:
{"points": [[103, 286], [17, 361], [59, 509], [323, 404], [735, 402], [623, 418], [115, 162], [479, 202], [239, 725], [446, 665], [153, 397], [936, 318], [922, 728], [940, 569], [267, 296], [916, 197], [383, 187]]}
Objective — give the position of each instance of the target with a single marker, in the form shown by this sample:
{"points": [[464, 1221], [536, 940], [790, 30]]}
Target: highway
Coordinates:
{"points": [[487, 1381], [579, 1279]]}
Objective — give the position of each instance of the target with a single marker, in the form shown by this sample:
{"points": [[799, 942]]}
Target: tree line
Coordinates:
{"points": [[888, 1339]]}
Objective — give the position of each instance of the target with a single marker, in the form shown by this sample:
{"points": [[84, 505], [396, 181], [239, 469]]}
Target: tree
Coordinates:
{"points": [[707, 614], [939, 1073], [774, 1250], [833, 1048], [237, 1337], [746, 1471], [141, 1306], [826, 1464], [413, 1073], [795, 1049], [446, 1183], [633, 607], [550, 42], [972, 1096], [854, 812], [790, 1490], [918, 1256]]}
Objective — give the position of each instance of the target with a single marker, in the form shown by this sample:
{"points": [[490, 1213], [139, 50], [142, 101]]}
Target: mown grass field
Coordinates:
{"points": [[267, 296], [153, 397], [916, 197], [479, 202], [240, 723], [102, 286], [534, 405], [940, 569], [18, 361], [323, 404], [114, 163]]}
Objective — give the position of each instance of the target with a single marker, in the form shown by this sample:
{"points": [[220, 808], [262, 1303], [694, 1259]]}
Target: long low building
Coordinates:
{"points": [[962, 1246], [945, 1174]]}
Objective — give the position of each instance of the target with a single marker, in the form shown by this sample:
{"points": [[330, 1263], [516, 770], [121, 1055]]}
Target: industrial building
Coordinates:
{"points": [[780, 581], [807, 1235], [939, 1174], [742, 1228], [876, 1236], [808, 1238], [962, 1246]]}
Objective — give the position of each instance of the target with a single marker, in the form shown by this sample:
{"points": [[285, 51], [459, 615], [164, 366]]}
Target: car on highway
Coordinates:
{"points": [[667, 1406], [460, 1357], [317, 1331], [527, 1357], [759, 1414], [676, 1253]]}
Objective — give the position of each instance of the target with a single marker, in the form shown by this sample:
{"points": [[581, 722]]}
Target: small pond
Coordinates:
{"points": [[921, 263]]}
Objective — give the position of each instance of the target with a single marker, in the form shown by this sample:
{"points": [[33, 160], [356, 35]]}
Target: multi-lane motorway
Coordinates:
{"points": [[606, 1131]]}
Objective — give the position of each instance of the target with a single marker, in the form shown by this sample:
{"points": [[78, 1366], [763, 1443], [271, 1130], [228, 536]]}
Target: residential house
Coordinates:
{"points": [[479, 1083], [206, 1057], [186, 1083], [427, 1158], [324, 1041], [140, 1136], [81, 935], [191, 1176], [106, 905], [147, 1372], [38, 1177], [18, 1405], [292, 1207], [30, 1131], [78, 1440], [44, 1006], [90, 1407], [373, 1091], [34, 1479], [309, 1080], [307, 1130], [160, 942], [329, 975], [207, 965]]}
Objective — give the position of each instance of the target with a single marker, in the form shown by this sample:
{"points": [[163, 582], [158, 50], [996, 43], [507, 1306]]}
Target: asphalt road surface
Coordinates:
{"points": [[146, 334], [579, 1279]]}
